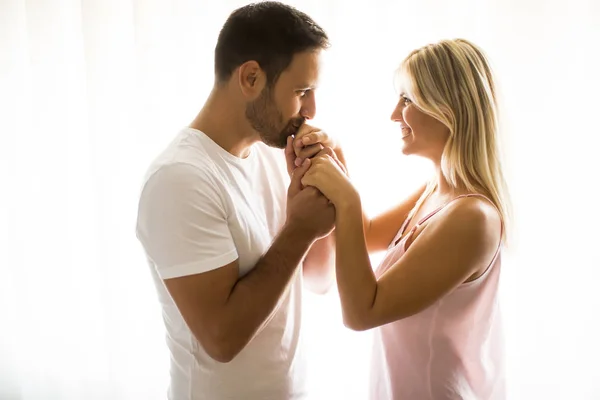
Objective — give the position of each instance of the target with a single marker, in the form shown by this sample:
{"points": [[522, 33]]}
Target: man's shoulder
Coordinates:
{"points": [[184, 163], [185, 154]]}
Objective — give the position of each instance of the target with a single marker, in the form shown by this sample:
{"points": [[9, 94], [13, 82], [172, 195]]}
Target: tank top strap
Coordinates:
{"points": [[431, 214]]}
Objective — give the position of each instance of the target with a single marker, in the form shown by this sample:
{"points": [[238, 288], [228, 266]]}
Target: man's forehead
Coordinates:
{"points": [[304, 68]]}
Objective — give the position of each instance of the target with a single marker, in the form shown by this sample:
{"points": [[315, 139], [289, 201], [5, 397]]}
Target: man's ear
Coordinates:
{"points": [[251, 79]]}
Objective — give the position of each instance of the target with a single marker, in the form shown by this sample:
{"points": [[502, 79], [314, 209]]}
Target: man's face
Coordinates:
{"points": [[281, 109]]}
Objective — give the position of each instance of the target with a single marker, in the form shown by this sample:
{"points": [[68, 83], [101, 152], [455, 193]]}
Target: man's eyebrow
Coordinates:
{"points": [[307, 87]]}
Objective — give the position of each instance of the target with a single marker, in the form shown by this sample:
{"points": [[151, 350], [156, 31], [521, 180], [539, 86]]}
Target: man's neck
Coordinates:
{"points": [[222, 120]]}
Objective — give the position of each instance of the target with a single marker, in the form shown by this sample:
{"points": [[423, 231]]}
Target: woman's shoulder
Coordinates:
{"points": [[473, 212]]}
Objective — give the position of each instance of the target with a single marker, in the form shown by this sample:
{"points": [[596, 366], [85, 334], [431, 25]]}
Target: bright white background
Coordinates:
{"points": [[91, 90]]}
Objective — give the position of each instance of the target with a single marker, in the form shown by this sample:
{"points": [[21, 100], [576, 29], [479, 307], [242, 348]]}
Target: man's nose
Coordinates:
{"points": [[309, 107]]}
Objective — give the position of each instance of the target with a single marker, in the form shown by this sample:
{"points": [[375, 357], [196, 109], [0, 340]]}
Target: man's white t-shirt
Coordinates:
{"points": [[202, 208]]}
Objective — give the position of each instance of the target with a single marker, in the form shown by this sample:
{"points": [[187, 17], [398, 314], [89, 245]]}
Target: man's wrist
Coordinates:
{"points": [[297, 233]]}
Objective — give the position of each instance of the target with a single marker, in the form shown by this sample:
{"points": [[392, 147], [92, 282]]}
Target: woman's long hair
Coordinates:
{"points": [[452, 81]]}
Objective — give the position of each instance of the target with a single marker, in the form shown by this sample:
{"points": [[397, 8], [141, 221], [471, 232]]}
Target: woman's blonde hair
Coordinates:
{"points": [[452, 81]]}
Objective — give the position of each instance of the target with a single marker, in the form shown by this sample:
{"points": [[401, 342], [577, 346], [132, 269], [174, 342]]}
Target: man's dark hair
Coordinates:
{"points": [[270, 33]]}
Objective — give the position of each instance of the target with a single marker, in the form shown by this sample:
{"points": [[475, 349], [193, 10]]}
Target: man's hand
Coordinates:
{"points": [[307, 209], [309, 141], [318, 265]]}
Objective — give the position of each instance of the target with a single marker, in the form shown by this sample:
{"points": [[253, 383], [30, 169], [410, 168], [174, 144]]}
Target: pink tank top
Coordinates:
{"points": [[451, 350]]}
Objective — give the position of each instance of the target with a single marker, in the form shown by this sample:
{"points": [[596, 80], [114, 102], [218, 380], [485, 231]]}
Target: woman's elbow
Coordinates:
{"points": [[356, 324]]}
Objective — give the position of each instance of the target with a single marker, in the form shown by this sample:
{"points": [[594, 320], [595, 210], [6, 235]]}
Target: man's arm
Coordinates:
{"points": [[318, 268], [184, 229], [224, 313]]}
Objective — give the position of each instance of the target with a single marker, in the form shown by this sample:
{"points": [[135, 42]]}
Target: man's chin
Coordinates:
{"points": [[278, 143], [278, 146]]}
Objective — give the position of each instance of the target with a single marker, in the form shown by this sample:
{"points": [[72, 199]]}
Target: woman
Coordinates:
{"points": [[434, 297]]}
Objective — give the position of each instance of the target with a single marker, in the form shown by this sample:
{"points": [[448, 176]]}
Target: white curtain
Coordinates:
{"points": [[91, 90]]}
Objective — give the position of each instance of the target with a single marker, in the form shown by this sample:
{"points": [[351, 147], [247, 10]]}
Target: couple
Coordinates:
{"points": [[233, 227]]}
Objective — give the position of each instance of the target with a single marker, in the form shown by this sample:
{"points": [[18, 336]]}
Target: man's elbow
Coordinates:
{"points": [[355, 325], [221, 354], [219, 346]]}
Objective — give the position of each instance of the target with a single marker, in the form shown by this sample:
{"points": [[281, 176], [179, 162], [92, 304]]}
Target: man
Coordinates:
{"points": [[227, 241]]}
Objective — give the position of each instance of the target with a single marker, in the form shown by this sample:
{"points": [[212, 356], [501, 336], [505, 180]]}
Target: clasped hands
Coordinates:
{"points": [[324, 170]]}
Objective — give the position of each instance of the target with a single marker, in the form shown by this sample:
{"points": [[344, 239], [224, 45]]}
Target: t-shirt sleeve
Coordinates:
{"points": [[182, 222]]}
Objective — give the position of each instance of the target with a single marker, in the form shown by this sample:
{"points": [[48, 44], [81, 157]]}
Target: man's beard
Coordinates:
{"points": [[265, 118]]}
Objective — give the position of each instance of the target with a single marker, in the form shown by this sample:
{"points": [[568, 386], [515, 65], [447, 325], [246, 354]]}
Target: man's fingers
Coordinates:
{"points": [[313, 137], [290, 155], [326, 151], [307, 152], [297, 175], [301, 169], [323, 152], [308, 135], [288, 145]]}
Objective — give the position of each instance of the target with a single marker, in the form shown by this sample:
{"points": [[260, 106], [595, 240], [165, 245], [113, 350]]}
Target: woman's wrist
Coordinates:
{"points": [[348, 204]]}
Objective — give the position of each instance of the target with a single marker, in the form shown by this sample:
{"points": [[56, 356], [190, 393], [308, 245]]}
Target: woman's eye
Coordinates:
{"points": [[406, 100]]}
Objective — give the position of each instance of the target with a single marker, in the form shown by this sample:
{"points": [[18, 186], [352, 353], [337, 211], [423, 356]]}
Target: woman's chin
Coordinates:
{"points": [[406, 149]]}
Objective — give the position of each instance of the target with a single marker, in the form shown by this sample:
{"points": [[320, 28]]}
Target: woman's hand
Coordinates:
{"points": [[309, 141], [328, 174]]}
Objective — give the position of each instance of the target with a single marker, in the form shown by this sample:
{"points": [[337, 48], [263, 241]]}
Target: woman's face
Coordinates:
{"points": [[422, 134]]}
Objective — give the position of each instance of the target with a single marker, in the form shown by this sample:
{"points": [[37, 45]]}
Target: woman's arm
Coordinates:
{"points": [[458, 242], [451, 248], [381, 230]]}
